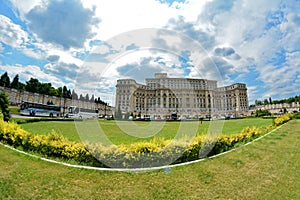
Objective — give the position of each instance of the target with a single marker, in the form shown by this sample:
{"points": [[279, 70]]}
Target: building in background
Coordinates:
{"points": [[16, 97], [162, 96]]}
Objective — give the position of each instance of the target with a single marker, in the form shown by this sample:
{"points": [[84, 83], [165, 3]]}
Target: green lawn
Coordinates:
{"points": [[140, 131], [266, 169], [14, 110]]}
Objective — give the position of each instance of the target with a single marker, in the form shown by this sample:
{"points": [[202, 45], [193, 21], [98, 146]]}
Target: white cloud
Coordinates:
{"points": [[12, 34], [32, 71], [102, 49], [25, 6], [247, 35], [63, 65], [65, 56], [245, 27], [121, 16], [1, 48], [68, 28]]}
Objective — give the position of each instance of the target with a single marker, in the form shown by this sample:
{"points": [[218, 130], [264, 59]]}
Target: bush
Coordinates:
{"points": [[4, 106], [262, 113], [283, 119], [52, 145], [297, 116]]}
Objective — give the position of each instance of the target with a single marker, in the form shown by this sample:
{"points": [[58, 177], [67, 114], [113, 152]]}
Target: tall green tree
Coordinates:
{"points": [[74, 95], [270, 100], [66, 93], [21, 86], [87, 98], [53, 92], [69, 94], [4, 106], [44, 88], [81, 97], [4, 80], [33, 85], [92, 98], [59, 92], [258, 102], [15, 83]]}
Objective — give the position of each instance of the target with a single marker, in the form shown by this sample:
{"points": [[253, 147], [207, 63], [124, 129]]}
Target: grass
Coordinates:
{"points": [[125, 132], [266, 169], [14, 110]]}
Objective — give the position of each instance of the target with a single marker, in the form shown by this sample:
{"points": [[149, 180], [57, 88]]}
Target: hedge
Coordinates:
{"points": [[283, 119], [156, 152]]}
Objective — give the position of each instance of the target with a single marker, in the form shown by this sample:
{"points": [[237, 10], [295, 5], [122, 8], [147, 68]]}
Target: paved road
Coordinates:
{"points": [[22, 116]]}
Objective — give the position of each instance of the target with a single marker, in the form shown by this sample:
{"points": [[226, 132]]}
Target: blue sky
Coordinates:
{"points": [[88, 44]]}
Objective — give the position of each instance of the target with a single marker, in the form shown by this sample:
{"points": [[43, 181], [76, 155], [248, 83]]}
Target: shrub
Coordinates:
{"points": [[4, 106], [261, 113], [283, 119], [296, 116]]}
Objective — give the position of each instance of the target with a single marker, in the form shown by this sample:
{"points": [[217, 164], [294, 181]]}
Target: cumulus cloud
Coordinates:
{"points": [[12, 34], [227, 52], [264, 34], [16, 37], [66, 23], [146, 67], [53, 58], [62, 70], [62, 65], [32, 71], [239, 38], [1, 48], [189, 29]]}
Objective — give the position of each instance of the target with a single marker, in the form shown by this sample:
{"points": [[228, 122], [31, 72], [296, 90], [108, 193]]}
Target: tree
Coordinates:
{"points": [[81, 97], [69, 94], [65, 92], [33, 85], [92, 98], [4, 80], [261, 113], [266, 102], [4, 106], [21, 86], [53, 91], [15, 83], [270, 100], [50, 102], [44, 88], [284, 110], [59, 92], [87, 98], [258, 102], [74, 95]]}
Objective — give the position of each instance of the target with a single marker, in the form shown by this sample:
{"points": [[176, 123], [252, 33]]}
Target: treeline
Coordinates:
{"points": [[35, 86], [270, 101]]}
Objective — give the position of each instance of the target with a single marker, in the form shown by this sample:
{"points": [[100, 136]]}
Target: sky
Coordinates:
{"points": [[88, 44]]}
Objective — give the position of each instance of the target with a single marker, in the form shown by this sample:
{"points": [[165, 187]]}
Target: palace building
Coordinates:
{"points": [[189, 97]]}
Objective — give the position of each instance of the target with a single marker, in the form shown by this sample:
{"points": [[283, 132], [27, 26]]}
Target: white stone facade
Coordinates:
{"points": [[161, 96]]}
